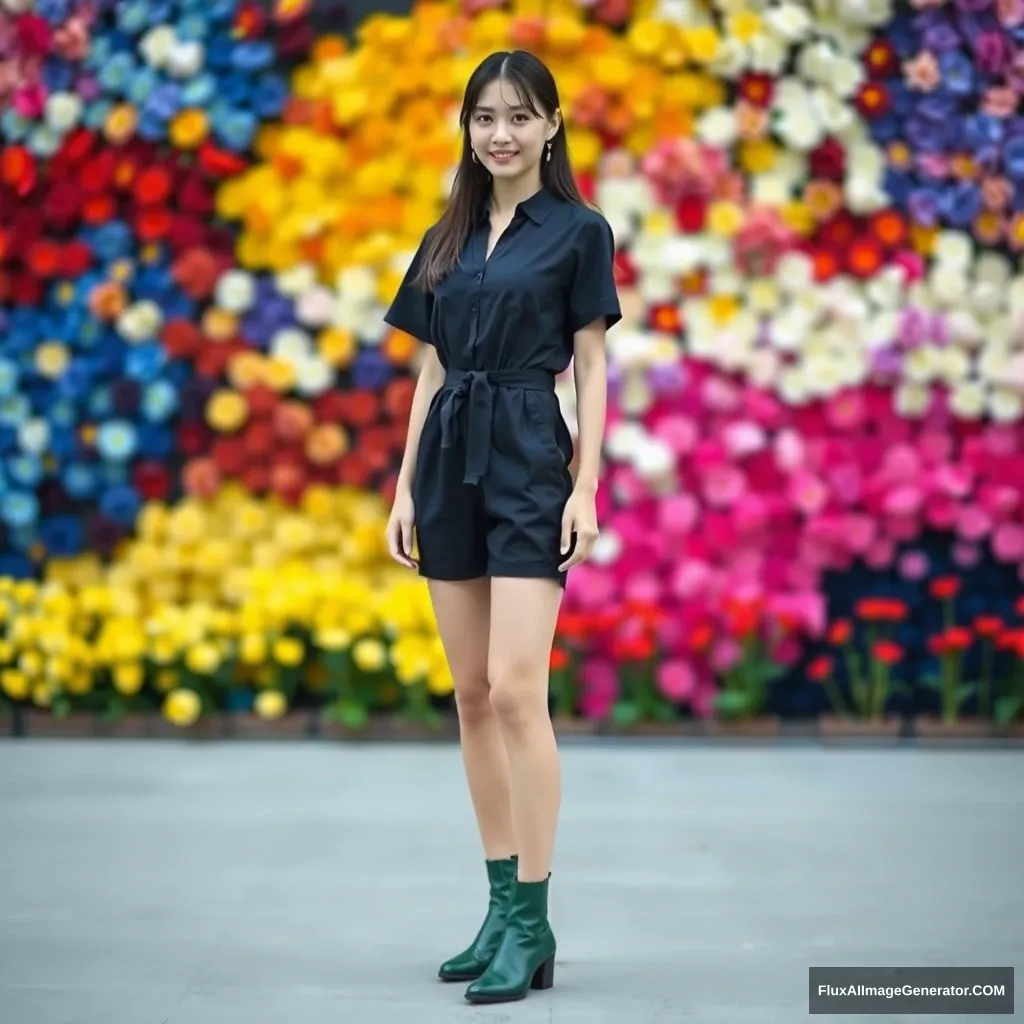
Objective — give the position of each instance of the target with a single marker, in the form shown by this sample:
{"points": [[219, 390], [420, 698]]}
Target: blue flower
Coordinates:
{"points": [[144, 362], [63, 443], [370, 370], [163, 102], [957, 72], [14, 410], [117, 72], [253, 55], [218, 51], [200, 91], [80, 480], [53, 11], [1013, 159], [142, 85], [19, 508], [14, 127], [236, 131], [58, 75], [960, 203], [155, 442], [193, 28], [159, 401], [26, 470], [16, 566], [151, 128], [270, 96], [132, 16], [109, 241], [116, 440], [120, 503], [10, 375], [63, 536]]}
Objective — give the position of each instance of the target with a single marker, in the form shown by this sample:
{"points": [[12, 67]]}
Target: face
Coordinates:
{"points": [[508, 139]]}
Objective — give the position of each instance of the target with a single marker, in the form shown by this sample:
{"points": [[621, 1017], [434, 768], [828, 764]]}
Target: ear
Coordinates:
{"points": [[556, 121]]}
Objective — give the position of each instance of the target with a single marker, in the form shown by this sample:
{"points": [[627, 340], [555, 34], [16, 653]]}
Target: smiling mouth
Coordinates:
{"points": [[504, 153]]}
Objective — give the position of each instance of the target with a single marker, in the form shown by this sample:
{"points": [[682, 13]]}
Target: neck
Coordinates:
{"points": [[506, 195]]}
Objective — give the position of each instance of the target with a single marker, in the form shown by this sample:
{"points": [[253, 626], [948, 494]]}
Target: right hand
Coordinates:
{"points": [[399, 529]]}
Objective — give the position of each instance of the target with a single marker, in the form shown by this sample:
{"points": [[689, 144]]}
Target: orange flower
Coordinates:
{"points": [[889, 228], [107, 301]]}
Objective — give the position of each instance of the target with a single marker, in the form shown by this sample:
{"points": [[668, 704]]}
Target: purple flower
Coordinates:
{"points": [[957, 73], [886, 363], [913, 328], [1013, 159], [936, 31], [974, 5], [960, 203], [993, 52], [924, 207], [926, 135]]}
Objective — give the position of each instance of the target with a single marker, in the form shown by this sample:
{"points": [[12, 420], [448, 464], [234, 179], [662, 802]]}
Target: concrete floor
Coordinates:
{"points": [[250, 883]]}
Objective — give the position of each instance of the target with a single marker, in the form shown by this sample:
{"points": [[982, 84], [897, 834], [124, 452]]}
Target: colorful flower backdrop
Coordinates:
{"points": [[205, 208]]}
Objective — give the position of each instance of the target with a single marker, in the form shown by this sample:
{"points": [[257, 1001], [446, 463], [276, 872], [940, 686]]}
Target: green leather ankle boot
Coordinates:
{"points": [[525, 957], [470, 963]]}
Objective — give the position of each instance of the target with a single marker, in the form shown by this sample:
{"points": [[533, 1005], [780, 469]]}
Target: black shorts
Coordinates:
{"points": [[492, 477]]}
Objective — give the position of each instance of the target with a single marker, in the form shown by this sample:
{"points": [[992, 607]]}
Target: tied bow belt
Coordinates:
{"points": [[475, 389]]}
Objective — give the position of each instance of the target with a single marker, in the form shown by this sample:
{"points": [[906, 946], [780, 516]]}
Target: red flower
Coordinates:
{"points": [[76, 259], [887, 652], [757, 89], [701, 638], [839, 632], [959, 638], [742, 617], [690, 214], [665, 318], [988, 626], [559, 659], [44, 258], [193, 439], [97, 173], [152, 185], [820, 669], [838, 232], [229, 455], [880, 59], [152, 481], [873, 100], [889, 228], [152, 225], [828, 160], [219, 163], [35, 36], [944, 587], [182, 339], [864, 258], [634, 648], [18, 169], [826, 264], [881, 609]]}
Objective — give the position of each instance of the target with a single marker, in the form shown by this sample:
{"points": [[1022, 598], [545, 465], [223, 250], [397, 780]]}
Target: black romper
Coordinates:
{"points": [[492, 474]]}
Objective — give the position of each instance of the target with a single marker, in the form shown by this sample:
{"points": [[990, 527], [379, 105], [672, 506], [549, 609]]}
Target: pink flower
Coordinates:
{"points": [[743, 438], [678, 513], [676, 680], [723, 485], [1010, 13], [725, 653], [1008, 542], [933, 165], [940, 511], [922, 73], [599, 689], [903, 501], [845, 411], [678, 432], [30, 101], [751, 513], [720, 395], [993, 52], [807, 493], [912, 263], [704, 700], [966, 556], [999, 101], [34, 35], [914, 565], [690, 579], [880, 554], [972, 522]]}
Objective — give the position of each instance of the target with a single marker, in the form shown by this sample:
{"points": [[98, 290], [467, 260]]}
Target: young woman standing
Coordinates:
{"points": [[512, 282]]}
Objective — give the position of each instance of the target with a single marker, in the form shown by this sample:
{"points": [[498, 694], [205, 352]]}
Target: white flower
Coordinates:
{"points": [[797, 124], [864, 195], [358, 285], [731, 59], [607, 548], [986, 297], [653, 458], [954, 251], [795, 273], [912, 399], [34, 436], [814, 61], [865, 12], [770, 190], [794, 387], [681, 12], [968, 399], [831, 111], [63, 111], [315, 306], [993, 268], [295, 280], [921, 365], [790, 21], [994, 364], [185, 59], [140, 322], [368, 323], [632, 349], [880, 330], [313, 376], [789, 329], [156, 45], [762, 368], [768, 54], [948, 285], [1005, 406], [235, 291], [635, 395], [886, 288], [964, 328], [622, 439], [291, 344], [658, 287], [718, 127], [953, 364]]}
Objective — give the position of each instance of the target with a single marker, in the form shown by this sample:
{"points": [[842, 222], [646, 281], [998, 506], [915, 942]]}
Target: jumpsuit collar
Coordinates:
{"points": [[537, 207]]}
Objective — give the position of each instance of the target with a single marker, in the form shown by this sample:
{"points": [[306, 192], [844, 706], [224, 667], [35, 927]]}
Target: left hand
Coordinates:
{"points": [[579, 517]]}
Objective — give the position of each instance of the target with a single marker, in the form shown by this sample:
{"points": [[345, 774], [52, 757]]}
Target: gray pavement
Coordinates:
{"points": [[305, 883]]}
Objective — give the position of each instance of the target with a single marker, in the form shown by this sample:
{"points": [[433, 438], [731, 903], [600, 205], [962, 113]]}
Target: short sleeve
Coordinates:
{"points": [[412, 307], [592, 291]]}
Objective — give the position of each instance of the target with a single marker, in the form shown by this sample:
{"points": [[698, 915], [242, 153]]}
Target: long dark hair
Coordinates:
{"points": [[537, 91]]}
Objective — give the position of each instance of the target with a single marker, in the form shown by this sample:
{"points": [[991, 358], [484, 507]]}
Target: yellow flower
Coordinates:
{"points": [[163, 650], [332, 639], [203, 658], [252, 649], [723, 308], [725, 218], [52, 357], [15, 684], [226, 410], [758, 156], [647, 36], [279, 375], [337, 346], [128, 678], [702, 43], [121, 122], [166, 679], [25, 592], [188, 129], [31, 663], [42, 695], [369, 655], [270, 704], [797, 217], [289, 651], [743, 25], [182, 707], [79, 683], [411, 656]]}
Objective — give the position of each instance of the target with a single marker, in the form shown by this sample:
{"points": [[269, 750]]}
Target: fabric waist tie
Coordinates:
{"points": [[477, 387]]}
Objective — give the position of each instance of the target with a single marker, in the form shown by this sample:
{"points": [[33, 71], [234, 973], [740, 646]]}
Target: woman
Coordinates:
{"points": [[512, 281]]}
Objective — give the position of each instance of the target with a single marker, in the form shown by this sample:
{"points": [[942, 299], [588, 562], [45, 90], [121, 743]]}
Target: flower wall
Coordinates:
{"points": [[816, 391]]}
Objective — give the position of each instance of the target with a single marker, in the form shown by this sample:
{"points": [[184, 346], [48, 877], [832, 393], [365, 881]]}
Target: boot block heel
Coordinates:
{"points": [[544, 976]]}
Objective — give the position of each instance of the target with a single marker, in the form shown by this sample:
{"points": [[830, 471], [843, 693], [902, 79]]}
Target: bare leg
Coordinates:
{"points": [[523, 614], [462, 611]]}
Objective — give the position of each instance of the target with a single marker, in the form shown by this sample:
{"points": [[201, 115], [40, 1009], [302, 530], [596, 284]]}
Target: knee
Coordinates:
{"points": [[515, 696], [472, 699]]}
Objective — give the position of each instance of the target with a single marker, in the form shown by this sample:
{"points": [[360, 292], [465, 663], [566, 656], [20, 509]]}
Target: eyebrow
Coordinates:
{"points": [[490, 110]]}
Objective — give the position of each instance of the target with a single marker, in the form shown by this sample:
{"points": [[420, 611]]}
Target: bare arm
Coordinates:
{"points": [[590, 372]]}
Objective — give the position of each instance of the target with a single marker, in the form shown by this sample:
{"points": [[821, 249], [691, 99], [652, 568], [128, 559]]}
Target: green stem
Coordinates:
{"points": [[985, 700], [856, 683], [947, 689], [948, 612], [835, 698]]}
